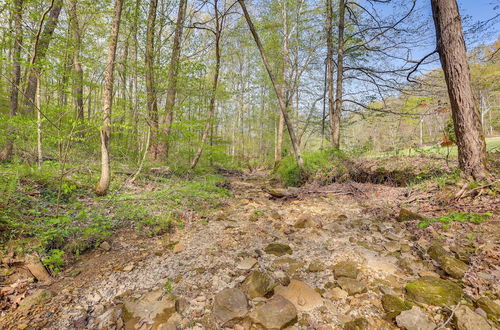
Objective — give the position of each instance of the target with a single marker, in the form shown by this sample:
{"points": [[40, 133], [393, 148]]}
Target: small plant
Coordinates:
{"points": [[446, 220], [168, 287], [54, 261]]}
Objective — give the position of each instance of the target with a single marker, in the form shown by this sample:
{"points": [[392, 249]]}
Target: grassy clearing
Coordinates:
{"points": [[61, 217]]}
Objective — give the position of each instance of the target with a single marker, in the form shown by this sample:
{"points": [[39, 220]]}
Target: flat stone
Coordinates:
{"points": [[36, 268], [230, 304], [39, 296], [466, 319], [357, 324], [278, 249], [394, 305], [277, 313], [316, 266], [351, 285], [407, 215], [392, 246], [337, 294], [414, 319], [302, 296], [105, 246], [452, 266], [434, 291], [154, 305], [257, 284], [491, 308], [178, 248], [346, 269], [247, 263], [307, 221]]}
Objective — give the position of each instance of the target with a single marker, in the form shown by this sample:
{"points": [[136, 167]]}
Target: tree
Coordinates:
{"points": [[17, 13], [335, 116], [280, 97], [77, 66], [107, 100], [173, 72], [151, 101], [466, 119], [330, 69], [42, 42]]}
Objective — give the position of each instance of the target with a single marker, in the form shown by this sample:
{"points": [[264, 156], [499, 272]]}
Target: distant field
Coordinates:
{"points": [[492, 145]]}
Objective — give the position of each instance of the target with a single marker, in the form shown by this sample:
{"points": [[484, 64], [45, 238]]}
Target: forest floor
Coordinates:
{"points": [[345, 255]]}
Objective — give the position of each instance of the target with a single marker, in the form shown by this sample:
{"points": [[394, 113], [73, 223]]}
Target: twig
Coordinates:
{"points": [[479, 188], [450, 317]]}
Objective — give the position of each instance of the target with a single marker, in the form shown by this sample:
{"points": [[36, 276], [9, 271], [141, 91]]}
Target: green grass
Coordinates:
{"points": [[447, 219]]}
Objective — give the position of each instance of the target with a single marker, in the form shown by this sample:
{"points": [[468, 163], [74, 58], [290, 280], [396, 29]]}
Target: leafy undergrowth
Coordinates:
{"points": [[61, 217], [447, 219]]}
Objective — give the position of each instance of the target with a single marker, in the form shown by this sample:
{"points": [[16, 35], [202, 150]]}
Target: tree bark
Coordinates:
{"points": [[335, 116], [281, 101], [7, 151], [466, 119], [330, 66], [152, 104], [173, 72], [107, 99], [213, 96], [39, 53], [77, 66]]}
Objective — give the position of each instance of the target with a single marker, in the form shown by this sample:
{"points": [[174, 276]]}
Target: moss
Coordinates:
{"points": [[357, 324], [490, 307], [407, 215], [394, 305], [434, 291], [452, 266], [447, 219]]}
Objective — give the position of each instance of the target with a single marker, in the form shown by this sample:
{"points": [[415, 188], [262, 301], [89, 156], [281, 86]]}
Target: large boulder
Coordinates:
{"points": [[415, 319], [278, 249], [257, 284], [466, 319], [230, 304], [393, 305], [452, 266], [302, 296], [407, 215], [434, 291], [346, 269], [277, 313]]}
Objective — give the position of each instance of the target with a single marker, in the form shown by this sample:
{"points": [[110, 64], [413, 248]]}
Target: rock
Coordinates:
{"points": [[105, 246], [181, 305], [111, 319], [351, 285], [246, 264], [302, 296], [277, 313], [39, 296], [414, 319], [154, 305], [346, 269], [178, 248], [316, 266], [129, 268], [463, 253], [407, 215], [337, 294], [434, 291], [394, 305], [230, 304], [392, 246], [36, 268], [466, 319], [357, 324], [290, 265], [281, 277], [257, 284], [306, 221], [276, 193], [452, 266], [278, 249], [489, 306], [173, 323]]}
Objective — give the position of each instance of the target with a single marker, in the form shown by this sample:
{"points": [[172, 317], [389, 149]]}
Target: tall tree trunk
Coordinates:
{"points": [[330, 66], [42, 43], [281, 98], [107, 100], [213, 96], [278, 148], [173, 72], [17, 13], [335, 117], [466, 119], [152, 104]]}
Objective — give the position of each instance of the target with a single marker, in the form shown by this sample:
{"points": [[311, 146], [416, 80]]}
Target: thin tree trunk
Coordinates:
{"points": [[466, 119], [278, 150], [330, 67], [213, 96], [173, 72], [335, 119], [7, 151], [152, 104], [107, 99], [281, 101], [39, 125], [39, 52]]}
